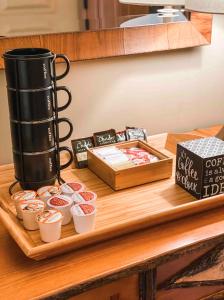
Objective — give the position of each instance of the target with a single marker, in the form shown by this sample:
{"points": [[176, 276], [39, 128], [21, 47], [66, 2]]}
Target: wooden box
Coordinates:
{"points": [[120, 179], [200, 167]]}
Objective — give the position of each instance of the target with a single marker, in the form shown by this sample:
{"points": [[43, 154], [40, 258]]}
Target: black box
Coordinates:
{"points": [[200, 167]]}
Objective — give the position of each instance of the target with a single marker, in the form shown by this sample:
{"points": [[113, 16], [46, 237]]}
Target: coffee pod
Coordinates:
{"points": [[50, 222], [85, 197], [83, 217], [69, 188], [30, 209], [63, 204], [22, 195], [20, 205], [46, 192]]}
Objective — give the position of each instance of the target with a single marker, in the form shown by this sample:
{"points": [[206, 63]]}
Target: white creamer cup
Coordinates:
{"points": [[29, 216], [50, 232], [65, 209], [22, 195], [44, 193], [68, 191], [79, 198], [83, 223]]}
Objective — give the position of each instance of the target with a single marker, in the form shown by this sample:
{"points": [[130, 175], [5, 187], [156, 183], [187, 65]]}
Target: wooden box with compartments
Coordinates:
{"points": [[129, 164]]}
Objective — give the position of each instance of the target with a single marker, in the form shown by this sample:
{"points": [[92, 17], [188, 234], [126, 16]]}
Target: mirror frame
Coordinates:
{"points": [[80, 46]]}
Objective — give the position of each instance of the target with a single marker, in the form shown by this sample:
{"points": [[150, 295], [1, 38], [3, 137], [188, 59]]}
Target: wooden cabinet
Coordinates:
{"points": [[188, 276], [122, 289], [179, 260]]}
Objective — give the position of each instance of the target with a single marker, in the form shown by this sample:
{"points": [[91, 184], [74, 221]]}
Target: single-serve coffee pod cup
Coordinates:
{"points": [[22, 195], [63, 204], [46, 192], [69, 188], [20, 205], [83, 217], [49, 222], [30, 209], [86, 197]]}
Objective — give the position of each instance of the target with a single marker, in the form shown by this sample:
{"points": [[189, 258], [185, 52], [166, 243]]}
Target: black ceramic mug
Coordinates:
{"points": [[34, 105], [38, 135], [34, 170], [31, 68]]}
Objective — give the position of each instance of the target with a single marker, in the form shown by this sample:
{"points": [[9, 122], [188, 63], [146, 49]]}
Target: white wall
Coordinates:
{"points": [[168, 91]]}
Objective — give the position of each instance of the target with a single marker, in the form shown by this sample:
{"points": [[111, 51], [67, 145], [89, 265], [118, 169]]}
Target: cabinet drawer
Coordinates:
{"points": [[122, 289]]}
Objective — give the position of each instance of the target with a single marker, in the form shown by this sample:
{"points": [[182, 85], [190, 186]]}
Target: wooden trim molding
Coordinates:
{"points": [[203, 24], [147, 284], [150, 288], [121, 41]]}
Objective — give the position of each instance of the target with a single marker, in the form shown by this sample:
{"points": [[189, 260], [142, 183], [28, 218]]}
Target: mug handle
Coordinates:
{"points": [[64, 88], [70, 159], [67, 66], [66, 120]]}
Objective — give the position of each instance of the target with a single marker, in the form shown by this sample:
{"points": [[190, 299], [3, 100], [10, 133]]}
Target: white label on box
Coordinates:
{"points": [[81, 156]]}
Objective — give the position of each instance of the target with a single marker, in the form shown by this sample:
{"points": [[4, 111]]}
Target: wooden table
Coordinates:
{"points": [[138, 253]]}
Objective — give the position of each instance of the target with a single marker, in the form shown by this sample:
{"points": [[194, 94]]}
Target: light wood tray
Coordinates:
{"points": [[118, 213]]}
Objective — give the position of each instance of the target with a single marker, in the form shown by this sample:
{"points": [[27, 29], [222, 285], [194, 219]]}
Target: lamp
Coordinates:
{"points": [[168, 12], [154, 2], [207, 6]]}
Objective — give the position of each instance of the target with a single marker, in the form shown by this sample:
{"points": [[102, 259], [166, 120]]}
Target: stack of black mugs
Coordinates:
{"points": [[33, 106]]}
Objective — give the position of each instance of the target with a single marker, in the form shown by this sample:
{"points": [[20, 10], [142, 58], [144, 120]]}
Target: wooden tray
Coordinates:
{"points": [[119, 212], [119, 178]]}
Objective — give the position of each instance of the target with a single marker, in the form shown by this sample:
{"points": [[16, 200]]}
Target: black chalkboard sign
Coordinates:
{"points": [[121, 136], [134, 133], [200, 167], [79, 147], [105, 137]]}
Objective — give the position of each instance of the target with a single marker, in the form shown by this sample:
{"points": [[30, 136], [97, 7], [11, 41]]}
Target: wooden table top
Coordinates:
{"points": [[23, 278]]}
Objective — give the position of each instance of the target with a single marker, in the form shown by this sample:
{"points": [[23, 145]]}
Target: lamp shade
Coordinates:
{"points": [[154, 2], [206, 6]]}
